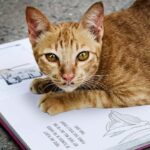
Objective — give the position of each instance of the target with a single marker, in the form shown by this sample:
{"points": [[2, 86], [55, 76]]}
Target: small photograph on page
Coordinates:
{"points": [[16, 69], [14, 76]]}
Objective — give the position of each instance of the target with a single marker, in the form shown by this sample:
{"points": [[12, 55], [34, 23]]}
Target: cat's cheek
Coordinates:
{"points": [[90, 69], [44, 66], [49, 69], [89, 64]]}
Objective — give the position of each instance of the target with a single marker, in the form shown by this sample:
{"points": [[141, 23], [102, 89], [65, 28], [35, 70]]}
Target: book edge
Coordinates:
{"points": [[13, 133]]}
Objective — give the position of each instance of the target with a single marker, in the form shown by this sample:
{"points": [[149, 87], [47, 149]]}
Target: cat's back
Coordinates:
{"points": [[133, 22], [126, 44], [128, 32]]}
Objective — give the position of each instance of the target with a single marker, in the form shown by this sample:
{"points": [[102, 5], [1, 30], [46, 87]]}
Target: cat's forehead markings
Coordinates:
{"points": [[56, 46], [71, 42], [77, 46], [61, 43], [65, 31], [60, 34]]}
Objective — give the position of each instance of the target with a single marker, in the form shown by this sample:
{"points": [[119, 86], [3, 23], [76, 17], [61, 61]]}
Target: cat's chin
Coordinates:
{"points": [[68, 88]]}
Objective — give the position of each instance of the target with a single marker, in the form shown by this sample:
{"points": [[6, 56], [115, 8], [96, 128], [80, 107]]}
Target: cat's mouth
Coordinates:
{"points": [[66, 86], [69, 86]]}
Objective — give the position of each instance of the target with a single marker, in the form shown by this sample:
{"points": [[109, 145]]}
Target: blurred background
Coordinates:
{"points": [[13, 26], [12, 18]]}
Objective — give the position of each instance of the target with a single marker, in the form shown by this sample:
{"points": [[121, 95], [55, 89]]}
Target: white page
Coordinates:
{"points": [[12, 54], [97, 129], [30, 123]]}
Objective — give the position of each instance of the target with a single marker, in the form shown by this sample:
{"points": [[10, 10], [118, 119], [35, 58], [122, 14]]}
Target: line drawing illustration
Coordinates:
{"points": [[128, 127], [14, 75]]}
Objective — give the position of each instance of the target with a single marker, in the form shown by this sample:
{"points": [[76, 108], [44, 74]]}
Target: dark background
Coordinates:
{"points": [[13, 25]]}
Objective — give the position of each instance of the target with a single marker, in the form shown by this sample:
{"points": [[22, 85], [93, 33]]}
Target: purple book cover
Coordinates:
{"points": [[12, 134]]}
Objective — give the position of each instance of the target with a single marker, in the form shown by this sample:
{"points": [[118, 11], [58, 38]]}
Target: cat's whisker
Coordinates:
{"points": [[86, 85], [83, 86], [95, 85], [55, 89], [90, 86], [57, 82], [48, 86]]}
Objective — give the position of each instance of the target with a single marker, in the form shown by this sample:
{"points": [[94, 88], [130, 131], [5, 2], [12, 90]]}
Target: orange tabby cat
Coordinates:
{"points": [[110, 56]]}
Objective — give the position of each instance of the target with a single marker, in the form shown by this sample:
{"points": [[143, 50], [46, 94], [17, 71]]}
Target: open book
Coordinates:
{"points": [[87, 129]]}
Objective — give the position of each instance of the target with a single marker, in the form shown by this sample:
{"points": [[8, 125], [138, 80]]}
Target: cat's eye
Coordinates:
{"points": [[51, 57], [83, 56]]}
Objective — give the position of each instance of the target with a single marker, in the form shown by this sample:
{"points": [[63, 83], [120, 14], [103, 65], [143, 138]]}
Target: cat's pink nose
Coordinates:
{"points": [[68, 76]]}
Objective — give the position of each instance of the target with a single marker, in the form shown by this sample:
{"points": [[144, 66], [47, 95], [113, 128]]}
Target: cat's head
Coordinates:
{"points": [[68, 53]]}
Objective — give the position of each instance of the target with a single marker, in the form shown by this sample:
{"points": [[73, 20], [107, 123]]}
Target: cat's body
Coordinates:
{"points": [[119, 66], [125, 57]]}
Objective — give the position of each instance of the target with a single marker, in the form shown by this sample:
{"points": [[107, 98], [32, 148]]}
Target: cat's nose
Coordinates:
{"points": [[68, 76]]}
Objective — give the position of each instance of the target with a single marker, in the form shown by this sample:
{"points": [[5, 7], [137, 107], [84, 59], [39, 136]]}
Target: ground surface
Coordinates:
{"points": [[13, 26]]}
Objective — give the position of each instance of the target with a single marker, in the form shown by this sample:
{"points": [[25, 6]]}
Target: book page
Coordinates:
{"points": [[17, 65], [97, 129]]}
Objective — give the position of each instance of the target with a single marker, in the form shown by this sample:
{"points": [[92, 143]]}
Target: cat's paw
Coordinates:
{"points": [[42, 86], [35, 86], [52, 105]]}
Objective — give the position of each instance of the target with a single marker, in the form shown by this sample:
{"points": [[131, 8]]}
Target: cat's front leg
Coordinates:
{"points": [[53, 103]]}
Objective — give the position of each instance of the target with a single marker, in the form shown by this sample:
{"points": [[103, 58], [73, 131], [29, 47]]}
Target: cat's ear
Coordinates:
{"points": [[92, 20], [37, 23]]}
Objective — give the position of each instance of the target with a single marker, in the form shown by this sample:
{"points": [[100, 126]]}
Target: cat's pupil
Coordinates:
{"points": [[51, 57]]}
